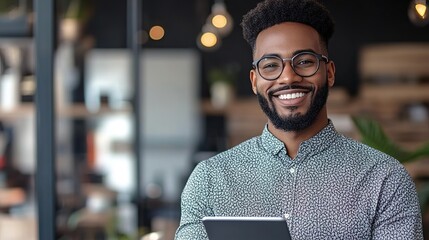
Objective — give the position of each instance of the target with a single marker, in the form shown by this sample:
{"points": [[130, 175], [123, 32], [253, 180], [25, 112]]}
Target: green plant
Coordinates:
{"points": [[7, 5], [222, 74], [76, 9], [373, 135], [13, 6]]}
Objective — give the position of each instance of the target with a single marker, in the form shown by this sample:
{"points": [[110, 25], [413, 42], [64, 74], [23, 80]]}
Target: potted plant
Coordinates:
{"points": [[372, 134], [221, 81], [15, 18]]}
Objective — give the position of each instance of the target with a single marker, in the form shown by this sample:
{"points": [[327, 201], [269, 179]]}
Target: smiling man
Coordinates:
{"points": [[324, 184]]}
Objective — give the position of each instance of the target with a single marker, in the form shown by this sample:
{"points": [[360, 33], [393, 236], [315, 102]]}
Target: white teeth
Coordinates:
{"points": [[291, 95]]}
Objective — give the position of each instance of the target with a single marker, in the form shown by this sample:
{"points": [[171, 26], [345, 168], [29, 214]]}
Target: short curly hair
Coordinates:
{"points": [[271, 12]]}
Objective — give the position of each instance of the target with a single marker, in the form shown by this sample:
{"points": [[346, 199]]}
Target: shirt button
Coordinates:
{"points": [[292, 170], [286, 215]]}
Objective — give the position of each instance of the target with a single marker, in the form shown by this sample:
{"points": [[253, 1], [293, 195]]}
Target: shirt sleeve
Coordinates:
{"points": [[398, 214], [194, 206]]}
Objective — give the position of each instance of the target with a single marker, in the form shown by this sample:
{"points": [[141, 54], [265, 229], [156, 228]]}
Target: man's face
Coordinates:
{"points": [[292, 102]]}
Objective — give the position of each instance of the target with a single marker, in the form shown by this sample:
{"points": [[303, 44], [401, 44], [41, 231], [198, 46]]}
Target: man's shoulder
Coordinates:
{"points": [[365, 154], [237, 153]]}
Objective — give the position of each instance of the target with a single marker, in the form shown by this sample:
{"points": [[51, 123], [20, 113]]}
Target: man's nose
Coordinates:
{"points": [[288, 75]]}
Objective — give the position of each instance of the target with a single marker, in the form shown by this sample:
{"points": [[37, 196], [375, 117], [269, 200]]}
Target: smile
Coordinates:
{"points": [[291, 95]]}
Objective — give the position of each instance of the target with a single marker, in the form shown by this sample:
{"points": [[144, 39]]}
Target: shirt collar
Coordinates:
{"points": [[317, 143]]}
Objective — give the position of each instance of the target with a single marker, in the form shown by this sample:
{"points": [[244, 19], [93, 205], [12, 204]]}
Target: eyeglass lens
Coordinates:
{"points": [[303, 64]]}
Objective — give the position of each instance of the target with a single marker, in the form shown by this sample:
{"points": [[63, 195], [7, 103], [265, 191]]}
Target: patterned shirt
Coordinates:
{"points": [[335, 188]]}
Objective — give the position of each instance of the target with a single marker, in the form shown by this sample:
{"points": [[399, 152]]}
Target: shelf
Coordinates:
{"points": [[80, 111], [21, 111], [245, 119], [74, 111], [399, 93], [16, 41]]}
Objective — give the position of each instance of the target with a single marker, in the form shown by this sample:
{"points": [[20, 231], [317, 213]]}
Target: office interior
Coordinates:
{"points": [[195, 100]]}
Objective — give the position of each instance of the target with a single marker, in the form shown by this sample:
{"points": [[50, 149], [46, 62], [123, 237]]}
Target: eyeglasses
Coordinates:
{"points": [[304, 64]]}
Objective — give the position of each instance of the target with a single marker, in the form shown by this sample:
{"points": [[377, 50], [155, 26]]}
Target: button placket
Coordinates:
{"points": [[293, 174]]}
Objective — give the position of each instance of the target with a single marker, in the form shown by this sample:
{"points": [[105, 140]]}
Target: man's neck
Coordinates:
{"points": [[293, 139]]}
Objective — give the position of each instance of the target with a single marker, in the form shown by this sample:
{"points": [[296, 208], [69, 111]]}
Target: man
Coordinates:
{"points": [[325, 185]]}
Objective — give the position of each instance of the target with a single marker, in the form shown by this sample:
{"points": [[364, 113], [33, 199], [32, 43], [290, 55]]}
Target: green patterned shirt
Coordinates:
{"points": [[335, 188]]}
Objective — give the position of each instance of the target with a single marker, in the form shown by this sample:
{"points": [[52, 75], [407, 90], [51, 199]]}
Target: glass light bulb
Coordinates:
{"points": [[208, 39], [421, 9], [417, 12], [219, 21], [156, 32]]}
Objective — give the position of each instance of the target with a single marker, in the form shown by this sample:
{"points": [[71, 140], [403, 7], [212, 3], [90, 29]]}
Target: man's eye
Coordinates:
{"points": [[271, 65], [304, 62]]}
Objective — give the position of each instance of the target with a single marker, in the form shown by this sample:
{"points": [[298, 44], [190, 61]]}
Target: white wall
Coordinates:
{"points": [[171, 120]]}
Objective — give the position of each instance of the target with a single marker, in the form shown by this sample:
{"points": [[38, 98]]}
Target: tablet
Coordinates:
{"points": [[246, 228]]}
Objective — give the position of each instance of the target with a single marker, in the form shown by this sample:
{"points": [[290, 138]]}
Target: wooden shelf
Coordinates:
{"points": [[80, 111], [16, 41], [397, 93], [74, 111], [245, 119]]}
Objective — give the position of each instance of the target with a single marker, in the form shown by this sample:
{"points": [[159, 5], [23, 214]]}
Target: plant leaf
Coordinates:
{"points": [[373, 135], [422, 151]]}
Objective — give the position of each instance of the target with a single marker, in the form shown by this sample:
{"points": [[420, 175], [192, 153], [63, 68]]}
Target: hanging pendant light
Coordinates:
{"points": [[209, 38], [218, 24], [220, 18], [418, 12]]}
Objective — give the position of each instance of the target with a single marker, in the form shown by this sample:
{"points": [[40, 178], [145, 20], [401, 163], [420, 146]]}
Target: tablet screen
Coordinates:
{"points": [[246, 228]]}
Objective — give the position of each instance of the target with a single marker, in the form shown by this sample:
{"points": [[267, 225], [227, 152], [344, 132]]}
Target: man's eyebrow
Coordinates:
{"points": [[293, 53], [303, 50], [271, 55]]}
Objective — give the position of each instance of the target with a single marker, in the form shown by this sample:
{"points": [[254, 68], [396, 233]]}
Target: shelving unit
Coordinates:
{"points": [[47, 116], [76, 111], [386, 104]]}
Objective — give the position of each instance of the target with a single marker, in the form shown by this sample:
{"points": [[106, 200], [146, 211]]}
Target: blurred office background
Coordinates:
{"points": [[196, 101]]}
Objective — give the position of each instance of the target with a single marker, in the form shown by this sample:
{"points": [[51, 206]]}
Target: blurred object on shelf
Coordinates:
{"points": [[96, 220], [86, 224], [394, 63], [4, 143], [16, 19], [107, 75], [153, 236], [103, 197], [417, 112], [222, 83], [165, 227], [10, 79], [17, 228], [10, 197]]}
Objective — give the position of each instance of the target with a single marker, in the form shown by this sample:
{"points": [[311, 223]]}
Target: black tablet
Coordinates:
{"points": [[246, 228]]}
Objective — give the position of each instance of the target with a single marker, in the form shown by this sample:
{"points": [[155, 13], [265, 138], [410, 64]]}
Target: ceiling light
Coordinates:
{"points": [[219, 21], [156, 33], [208, 39], [220, 18], [421, 9], [417, 12]]}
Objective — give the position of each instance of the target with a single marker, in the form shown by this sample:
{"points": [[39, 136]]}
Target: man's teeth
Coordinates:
{"points": [[291, 95]]}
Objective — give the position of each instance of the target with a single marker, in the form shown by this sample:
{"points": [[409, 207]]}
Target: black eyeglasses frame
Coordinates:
{"points": [[318, 56]]}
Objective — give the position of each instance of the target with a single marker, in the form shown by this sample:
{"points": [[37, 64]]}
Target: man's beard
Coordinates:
{"points": [[296, 122]]}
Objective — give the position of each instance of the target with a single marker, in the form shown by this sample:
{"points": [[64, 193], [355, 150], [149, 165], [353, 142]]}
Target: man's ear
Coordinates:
{"points": [[331, 73], [252, 76]]}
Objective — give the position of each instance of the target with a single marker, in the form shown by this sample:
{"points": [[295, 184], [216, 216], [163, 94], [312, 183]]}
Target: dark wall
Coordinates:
{"points": [[358, 23]]}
